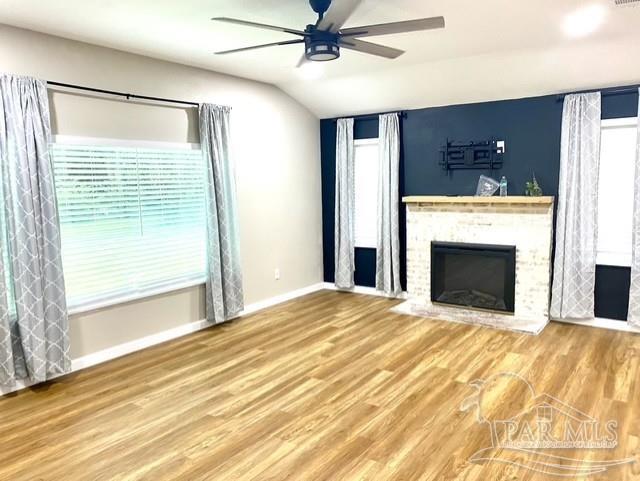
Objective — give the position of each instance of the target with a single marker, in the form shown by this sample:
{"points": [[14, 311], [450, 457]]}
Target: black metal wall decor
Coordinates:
{"points": [[487, 154]]}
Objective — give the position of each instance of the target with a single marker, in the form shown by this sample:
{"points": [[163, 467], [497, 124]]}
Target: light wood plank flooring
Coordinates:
{"points": [[331, 386]]}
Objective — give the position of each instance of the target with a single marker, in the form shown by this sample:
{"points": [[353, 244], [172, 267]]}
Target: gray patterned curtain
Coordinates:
{"points": [[634, 294], [344, 233], [388, 243], [576, 226], [225, 298], [34, 340]]}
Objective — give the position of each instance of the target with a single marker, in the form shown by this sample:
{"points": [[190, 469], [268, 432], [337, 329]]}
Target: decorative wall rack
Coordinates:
{"points": [[487, 154]]}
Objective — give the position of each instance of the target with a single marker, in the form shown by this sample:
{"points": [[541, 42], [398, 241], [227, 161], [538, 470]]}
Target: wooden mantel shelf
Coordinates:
{"points": [[510, 199]]}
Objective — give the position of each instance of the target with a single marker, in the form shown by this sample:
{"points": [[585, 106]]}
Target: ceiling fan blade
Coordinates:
{"points": [[274, 44], [259, 25], [370, 48], [395, 27], [338, 13]]}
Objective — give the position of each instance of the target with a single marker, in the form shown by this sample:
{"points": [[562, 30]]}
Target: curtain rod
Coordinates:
{"points": [[123, 94], [401, 113], [605, 92]]}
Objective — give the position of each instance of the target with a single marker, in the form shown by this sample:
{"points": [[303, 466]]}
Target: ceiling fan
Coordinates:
{"points": [[323, 40]]}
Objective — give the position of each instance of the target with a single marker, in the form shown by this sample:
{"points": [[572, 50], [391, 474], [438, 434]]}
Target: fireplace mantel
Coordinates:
{"points": [[510, 199]]}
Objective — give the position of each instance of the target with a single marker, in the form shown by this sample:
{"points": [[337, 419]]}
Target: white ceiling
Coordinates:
{"points": [[490, 49]]}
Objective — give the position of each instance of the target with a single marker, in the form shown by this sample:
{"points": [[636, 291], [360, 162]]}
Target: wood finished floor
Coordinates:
{"points": [[330, 386]]}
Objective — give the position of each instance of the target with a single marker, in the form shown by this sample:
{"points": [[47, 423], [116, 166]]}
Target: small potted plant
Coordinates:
{"points": [[532, 188]]}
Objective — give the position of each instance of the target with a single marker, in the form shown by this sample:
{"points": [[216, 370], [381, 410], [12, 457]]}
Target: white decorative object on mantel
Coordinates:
{"points": [[526, 222]]}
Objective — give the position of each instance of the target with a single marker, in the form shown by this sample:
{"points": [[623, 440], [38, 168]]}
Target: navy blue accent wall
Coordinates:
{"points": [[531, 129], [612, 292]]}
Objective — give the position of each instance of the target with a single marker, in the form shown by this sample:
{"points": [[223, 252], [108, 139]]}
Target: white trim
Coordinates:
{"points": [[619, 122], [164, 336], [608, 258], [369, 141], [272, 301], [369, 291], [365, 243], [141, 144], [135, 296], [179, 331], [137, 345], [121, 350], [601, 323]]}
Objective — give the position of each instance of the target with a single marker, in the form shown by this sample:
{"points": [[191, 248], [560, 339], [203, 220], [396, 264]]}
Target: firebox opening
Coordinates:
{"points": [[473, 275]]}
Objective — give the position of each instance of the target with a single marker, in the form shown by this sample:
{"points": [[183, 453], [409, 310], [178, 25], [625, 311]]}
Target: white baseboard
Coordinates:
{"points": [[137, 345], [370, 291], [182, 330], [164, 336], [601, 323], [179, 331], [272, 301]]}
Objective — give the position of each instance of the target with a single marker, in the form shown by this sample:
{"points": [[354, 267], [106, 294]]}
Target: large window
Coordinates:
{"points": [[132, 218], [366, 192], [615, 191]]}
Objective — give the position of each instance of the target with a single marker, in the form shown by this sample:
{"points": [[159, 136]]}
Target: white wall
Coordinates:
{"points": [[276, 149]]}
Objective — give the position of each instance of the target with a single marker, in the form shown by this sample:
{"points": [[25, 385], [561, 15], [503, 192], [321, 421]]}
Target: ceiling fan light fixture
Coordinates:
{"points": [[321, 50]]}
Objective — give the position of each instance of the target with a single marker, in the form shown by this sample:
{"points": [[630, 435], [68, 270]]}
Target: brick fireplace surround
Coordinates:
{"points": [[526, 222]]}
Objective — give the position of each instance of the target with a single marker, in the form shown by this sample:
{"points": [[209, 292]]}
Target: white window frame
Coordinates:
{"points": [[109, 301], [143, 144], [612, 258], [364, 242]]}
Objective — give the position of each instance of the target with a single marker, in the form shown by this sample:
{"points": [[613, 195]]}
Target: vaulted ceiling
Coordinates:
{"points": [[490, 49]]}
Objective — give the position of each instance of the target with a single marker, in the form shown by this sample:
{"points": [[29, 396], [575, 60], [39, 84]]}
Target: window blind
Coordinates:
{"points": [[132, 219]]}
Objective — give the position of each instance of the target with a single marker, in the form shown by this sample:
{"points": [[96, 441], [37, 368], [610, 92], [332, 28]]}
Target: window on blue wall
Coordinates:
{"points": [[132, 218], [366, 192], [615, 191]]}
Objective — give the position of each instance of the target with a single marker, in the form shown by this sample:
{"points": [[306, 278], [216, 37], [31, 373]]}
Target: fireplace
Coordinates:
{"points": [[480, 276], [497, 224]]}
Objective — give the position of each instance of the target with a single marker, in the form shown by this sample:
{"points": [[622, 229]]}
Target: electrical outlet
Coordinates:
{"points": [[277, 274]]}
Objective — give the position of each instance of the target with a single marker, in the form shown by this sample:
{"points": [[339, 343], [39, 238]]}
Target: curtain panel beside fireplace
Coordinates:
{"points": [[345, 205], [576, 224], [388, 238]]}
